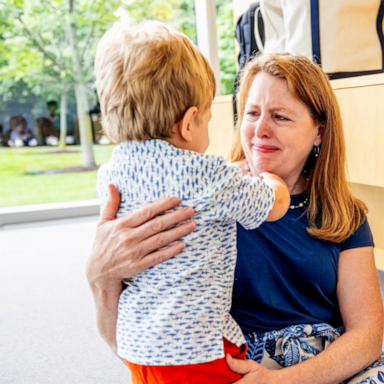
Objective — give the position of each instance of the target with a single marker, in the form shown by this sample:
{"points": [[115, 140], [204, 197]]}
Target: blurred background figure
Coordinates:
{"points": [[98, 135], [54, 117], [18, 134], [2, 136], [54, 113], [46, 132]]}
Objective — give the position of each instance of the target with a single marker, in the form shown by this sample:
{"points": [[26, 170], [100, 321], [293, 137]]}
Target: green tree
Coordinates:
{"points": [[225, 35], [227, 50], [162, 10], [187, 19], [51, 44], [47, 47]]}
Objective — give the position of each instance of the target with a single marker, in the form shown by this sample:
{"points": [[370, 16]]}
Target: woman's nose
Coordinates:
{"points": [[263, 127]]}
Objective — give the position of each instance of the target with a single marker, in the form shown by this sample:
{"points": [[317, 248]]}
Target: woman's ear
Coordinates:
{"points": [[318, 138], [186, 124]]}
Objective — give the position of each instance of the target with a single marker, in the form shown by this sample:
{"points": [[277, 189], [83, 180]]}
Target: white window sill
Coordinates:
{"points": [[44, 212]]}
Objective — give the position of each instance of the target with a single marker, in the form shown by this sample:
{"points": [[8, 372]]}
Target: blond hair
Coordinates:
{"points": [[146, 78], [333, 213]]}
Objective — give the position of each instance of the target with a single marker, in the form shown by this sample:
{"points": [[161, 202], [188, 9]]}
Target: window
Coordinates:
{"points": [[46, 100]]}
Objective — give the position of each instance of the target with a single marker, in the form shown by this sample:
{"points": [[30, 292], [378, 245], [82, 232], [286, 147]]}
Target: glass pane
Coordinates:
{"points": [[46, 99]]}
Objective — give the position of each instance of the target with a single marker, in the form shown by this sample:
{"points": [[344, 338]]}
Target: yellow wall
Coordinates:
{"points": [[221, 126], [374, 198], [361, 102]]}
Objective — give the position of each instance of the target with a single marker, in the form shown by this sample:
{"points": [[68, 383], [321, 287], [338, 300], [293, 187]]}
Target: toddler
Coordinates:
{"points": [[155, 91]]}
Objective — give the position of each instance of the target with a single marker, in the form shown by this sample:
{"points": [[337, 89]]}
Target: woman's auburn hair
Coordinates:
{"points": [[334, 214]]}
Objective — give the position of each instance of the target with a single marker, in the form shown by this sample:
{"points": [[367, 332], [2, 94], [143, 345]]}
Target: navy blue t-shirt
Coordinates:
{"points": [[285, 277]]}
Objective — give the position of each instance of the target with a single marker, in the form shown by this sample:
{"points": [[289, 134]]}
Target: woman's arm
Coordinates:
{"points": [[129, 245], [361, 307]]}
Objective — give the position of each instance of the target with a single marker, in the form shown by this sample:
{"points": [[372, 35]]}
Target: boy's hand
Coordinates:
{"points": [[282, 196], [243, 165]]}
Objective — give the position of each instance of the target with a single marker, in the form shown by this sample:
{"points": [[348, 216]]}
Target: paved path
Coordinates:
{"points": [[47, 328]]}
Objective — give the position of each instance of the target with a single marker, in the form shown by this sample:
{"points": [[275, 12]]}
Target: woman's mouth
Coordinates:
{"points": [[264, 148]]}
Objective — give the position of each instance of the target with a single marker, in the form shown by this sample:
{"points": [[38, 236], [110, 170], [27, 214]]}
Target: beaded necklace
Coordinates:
{"points": [[300, 205]]}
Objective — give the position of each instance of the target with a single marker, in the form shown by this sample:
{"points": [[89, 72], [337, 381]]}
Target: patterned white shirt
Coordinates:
{"points": [[178, 312]]}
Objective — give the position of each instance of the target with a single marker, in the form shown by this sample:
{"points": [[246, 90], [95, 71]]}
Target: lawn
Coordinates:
{"points": [[22, 184]]}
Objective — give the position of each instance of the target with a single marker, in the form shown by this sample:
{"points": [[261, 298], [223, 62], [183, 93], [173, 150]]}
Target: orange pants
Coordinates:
{"points": [[214, 372]]}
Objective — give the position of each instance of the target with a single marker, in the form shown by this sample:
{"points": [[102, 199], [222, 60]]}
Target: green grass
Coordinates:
{"points": [[19, 186]]}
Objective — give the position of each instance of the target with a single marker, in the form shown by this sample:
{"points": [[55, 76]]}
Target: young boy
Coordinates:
{"points": [[156, 91]]}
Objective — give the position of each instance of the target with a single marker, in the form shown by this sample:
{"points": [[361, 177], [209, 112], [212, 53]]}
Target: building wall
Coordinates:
{"points": [[221, 127], [360, 101]]}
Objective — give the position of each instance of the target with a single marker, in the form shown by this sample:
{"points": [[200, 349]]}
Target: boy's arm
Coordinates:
{"points": [[245, 199], [282, 197]]}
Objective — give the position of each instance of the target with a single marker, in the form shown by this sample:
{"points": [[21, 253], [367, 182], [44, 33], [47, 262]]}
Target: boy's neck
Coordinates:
{"points": [[178, 142]]}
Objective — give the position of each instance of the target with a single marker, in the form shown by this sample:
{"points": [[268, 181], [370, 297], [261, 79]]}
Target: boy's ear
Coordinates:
{"points": [[186, 124]]}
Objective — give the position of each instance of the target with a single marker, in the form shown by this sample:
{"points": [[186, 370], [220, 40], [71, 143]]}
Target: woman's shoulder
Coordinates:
{"points": [[361, 238]]}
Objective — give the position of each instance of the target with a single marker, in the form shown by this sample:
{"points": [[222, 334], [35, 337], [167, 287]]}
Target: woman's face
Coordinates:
{"points": [[277, 131]]}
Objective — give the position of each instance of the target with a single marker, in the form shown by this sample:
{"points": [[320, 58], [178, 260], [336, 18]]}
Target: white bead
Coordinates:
{"points": [[300, 205]]}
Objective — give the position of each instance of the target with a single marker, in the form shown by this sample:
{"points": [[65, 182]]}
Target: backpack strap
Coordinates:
{"points": [[245, 35]]}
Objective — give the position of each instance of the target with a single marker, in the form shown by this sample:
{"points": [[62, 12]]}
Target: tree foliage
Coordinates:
{"points": [[227, 50], [140, 10], [48, 45], [35, 55], [34, 46]]}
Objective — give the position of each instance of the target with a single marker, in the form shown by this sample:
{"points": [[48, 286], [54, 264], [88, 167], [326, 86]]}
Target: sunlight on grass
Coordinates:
{"points": [[20, 183]]}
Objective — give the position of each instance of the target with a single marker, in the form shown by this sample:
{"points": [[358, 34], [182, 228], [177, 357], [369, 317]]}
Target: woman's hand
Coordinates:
{"points": [[141, 239], [129, 245], [253, 372]]}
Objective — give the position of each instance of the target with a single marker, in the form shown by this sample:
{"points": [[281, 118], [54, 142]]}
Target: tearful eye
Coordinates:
{"points": [[281, 117], [252, 113]]}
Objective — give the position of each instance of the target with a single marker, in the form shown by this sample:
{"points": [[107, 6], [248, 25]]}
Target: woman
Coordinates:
{"points": [[306, 292]]}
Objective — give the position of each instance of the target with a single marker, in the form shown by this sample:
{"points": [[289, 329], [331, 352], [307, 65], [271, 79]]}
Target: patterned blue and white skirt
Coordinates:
{"points": [[292, 345]]}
